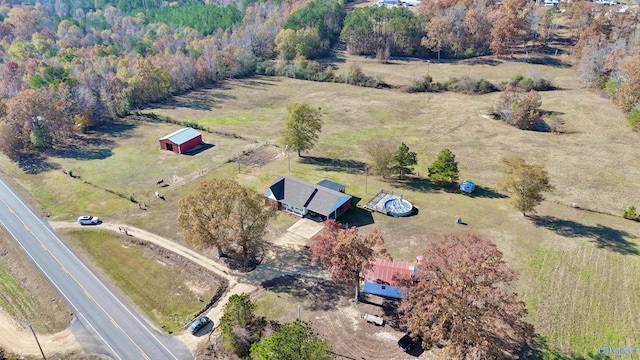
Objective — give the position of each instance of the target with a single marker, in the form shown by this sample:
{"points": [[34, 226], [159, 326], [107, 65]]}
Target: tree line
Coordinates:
{"points": [[111, 62], [606, 54]]}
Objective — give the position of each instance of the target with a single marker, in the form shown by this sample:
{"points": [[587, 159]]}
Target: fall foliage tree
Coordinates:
{"points": [[37, 120], [404, 160], [525, 182], [346, 253], [444, 168], [294, 340], [461, 300], [629, 90], [151, 83], [510, 26], [381, 153], [225, 214], [301, 129], [302, 43]]}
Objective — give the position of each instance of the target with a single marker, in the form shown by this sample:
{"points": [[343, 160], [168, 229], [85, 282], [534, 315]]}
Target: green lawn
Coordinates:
{"points": [[159, 289]]}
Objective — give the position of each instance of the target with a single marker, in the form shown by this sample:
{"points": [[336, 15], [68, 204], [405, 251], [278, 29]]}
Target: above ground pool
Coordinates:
{"points": [[398, 207]]}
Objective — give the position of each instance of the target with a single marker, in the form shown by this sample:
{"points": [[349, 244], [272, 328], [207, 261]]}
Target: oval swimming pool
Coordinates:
{"points": [[398, 207]]}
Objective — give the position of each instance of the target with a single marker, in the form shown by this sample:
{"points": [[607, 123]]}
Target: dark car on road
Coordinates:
{"points": [[198, 324]]}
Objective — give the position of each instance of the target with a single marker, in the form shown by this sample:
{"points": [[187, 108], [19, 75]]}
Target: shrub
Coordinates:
{"points": [[528, 83], [519, 109], [556, 124], [355, 76], [424, 85], [612, 88], [486, 87], [541, 84], [451, 84], [630, 213], [633, 119], [470, 86]]}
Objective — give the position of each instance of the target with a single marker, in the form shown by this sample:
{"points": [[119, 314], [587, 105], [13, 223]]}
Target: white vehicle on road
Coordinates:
{"points": [[88, 220]]}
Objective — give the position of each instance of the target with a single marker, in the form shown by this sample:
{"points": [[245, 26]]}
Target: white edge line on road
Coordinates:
{"points": [[61, 292], [48, 227]]}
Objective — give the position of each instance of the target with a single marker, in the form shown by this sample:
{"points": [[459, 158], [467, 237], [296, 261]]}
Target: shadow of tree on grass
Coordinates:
{"points": [[324, 294], [604, 236], [415, 184], [84, 152], [201, 99], [337, 165], [36, 164], [485, 192], [537, 348], [116, 129]]}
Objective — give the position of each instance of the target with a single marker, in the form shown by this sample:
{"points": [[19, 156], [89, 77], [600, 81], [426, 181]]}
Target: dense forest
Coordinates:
{"points": [[68, 65]]}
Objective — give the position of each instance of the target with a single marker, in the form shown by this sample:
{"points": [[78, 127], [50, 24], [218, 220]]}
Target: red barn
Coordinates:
{"points": [[181, 141]]}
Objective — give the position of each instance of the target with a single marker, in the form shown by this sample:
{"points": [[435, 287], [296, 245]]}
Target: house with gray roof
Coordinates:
{"points": [[306, 199]]}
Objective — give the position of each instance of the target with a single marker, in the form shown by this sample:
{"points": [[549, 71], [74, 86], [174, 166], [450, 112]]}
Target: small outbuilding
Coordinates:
{"points": [[467, 186], [379, 278], [181, 141]]}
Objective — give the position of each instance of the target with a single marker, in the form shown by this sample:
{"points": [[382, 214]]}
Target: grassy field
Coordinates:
{"points": [[578, 266], [160, 289]]}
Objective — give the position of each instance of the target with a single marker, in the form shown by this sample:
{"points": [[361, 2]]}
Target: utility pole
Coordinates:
{"points": [[37, 342], [366, 173], [288, 158]]}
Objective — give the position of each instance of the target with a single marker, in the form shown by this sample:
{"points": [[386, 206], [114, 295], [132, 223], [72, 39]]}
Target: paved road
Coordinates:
{"points": [[125, 334]]}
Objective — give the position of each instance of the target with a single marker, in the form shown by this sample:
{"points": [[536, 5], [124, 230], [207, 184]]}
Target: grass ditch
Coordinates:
{"points": [[158, 288], [14, 298], [25, 294]]}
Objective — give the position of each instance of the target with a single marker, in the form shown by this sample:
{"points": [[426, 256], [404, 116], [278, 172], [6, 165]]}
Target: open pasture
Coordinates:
{"points": [[576, 265]]}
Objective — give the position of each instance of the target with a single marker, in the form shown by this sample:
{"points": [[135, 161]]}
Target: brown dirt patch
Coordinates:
{"points": [[260, 157]]}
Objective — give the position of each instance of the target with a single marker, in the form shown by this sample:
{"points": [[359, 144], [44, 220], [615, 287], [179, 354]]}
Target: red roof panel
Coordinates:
{"points": [[383, 271]]}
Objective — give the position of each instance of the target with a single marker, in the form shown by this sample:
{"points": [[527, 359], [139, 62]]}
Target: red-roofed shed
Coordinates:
{"points": [[378, 279]]}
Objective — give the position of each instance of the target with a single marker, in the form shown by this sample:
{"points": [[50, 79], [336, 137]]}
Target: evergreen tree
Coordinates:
{"points": [[444, 168], [405, 160], [295, 340]]}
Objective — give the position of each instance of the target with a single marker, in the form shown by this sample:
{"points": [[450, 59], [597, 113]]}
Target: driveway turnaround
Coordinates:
{"points": [[123, 333]]}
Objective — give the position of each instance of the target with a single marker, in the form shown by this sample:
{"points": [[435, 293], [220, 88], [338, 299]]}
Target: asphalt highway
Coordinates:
{"points": [[125, 334]]}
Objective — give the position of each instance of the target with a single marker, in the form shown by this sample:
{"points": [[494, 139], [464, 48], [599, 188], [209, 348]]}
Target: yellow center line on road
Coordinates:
{"points": [[77, 282]]}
